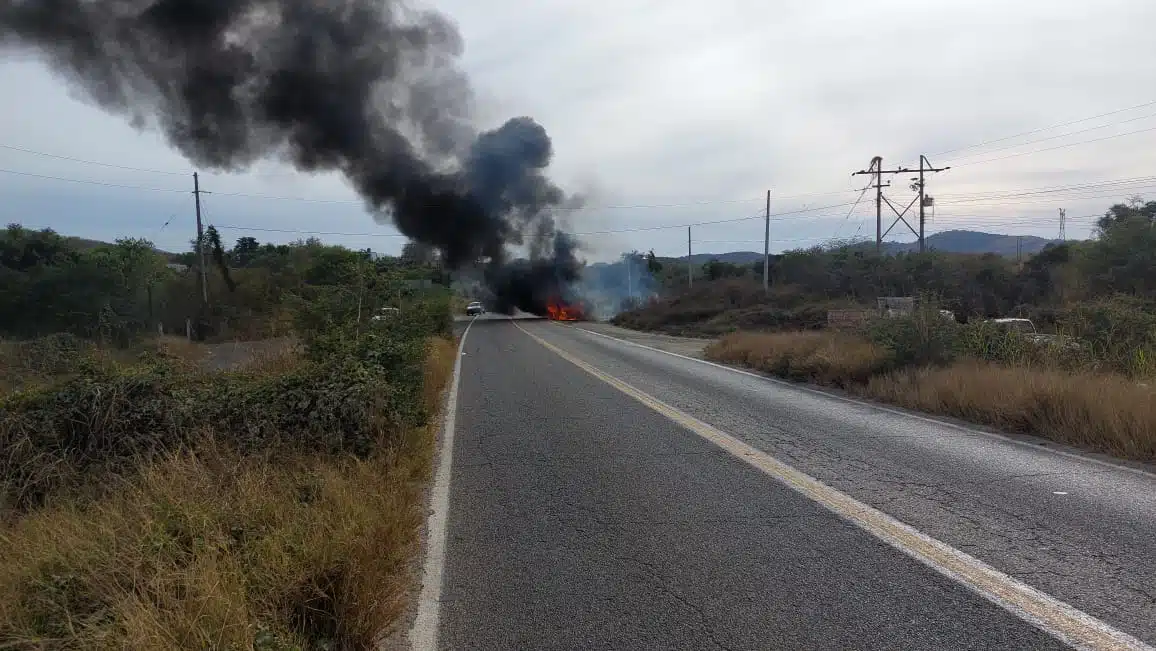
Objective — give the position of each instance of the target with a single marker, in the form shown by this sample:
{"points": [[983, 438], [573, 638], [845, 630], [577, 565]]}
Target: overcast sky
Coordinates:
{"points": [[678, 111]]}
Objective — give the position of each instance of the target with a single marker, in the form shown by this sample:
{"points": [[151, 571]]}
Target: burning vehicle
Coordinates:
{"points": [[559, 310]]}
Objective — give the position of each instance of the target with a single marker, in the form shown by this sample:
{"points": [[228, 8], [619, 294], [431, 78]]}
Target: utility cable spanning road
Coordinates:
{"points": [[598, 494]]}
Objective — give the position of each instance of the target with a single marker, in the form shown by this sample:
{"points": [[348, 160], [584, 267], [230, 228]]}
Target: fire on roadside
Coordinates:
{"points": [[558, 310]]}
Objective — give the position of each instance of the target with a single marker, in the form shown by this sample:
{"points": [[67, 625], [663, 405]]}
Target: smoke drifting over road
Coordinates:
{"points": [[369, 88], [531, 285]]}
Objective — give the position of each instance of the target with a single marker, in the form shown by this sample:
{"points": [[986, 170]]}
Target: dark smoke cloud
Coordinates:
{"points": [[531, 284], [369, 88]]}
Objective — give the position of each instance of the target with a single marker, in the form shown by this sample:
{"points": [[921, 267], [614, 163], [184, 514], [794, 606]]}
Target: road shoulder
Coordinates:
{"points": [[689, 346]]}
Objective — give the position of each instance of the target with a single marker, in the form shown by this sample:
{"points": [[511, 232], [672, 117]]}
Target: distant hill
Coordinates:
{"points": [[967, 242], [976, 242], [84, 244], [734, 257]]}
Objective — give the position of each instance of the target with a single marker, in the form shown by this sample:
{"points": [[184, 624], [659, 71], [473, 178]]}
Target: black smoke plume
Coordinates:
{"points": [[369, 88], [532, 284]]}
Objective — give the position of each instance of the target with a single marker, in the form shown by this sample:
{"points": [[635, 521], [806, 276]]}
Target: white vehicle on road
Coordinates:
{"points": [[386, 313], [475, 308]]}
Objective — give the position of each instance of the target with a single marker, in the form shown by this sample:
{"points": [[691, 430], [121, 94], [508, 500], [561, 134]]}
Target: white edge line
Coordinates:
{"points": [[879, 407], [1083, 630], [423, 636]]}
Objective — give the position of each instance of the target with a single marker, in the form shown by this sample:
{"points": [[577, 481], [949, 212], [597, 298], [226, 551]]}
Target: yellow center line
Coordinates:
{"points": [[1061, 620]]}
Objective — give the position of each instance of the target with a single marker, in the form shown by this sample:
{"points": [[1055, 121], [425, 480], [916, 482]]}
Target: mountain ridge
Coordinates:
{"points": [[953, 241]]}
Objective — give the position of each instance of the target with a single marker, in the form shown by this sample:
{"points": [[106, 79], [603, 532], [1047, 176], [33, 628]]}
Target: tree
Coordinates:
{"points": [[1123, 258], [652, 263], [1042, 276], [217, 251], [717, 269], [418, 254], [22, 249], [245, 251]]}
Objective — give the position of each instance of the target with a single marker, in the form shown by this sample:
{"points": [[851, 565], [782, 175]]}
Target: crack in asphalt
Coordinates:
{"points": [[660, 582]]}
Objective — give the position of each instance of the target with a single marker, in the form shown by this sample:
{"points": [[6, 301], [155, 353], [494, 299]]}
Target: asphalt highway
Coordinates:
{"points": [[607, 496]]}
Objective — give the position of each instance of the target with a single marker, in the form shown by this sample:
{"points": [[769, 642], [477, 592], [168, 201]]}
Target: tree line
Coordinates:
{"points": [[1119, 260], [118, 291]]}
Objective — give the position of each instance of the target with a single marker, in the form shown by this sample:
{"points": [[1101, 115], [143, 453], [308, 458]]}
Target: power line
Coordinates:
{"points": [[279, 198], [89, 162], [1071, 144], [997, 194], [87, 182], [232, 227], [1042, 129], [1073, 195], [86, 161], [852, 209], [1020, 219], [1062, 135], [236, 227], [691, 204], [781, 239], [711, 223]]}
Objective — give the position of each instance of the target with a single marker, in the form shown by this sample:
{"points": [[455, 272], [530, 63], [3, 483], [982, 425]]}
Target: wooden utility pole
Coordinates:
{"points": [[923, 198], [876, 170], [629, 275], [767, 248], [878, 205], [689, 261], [202, 276]]}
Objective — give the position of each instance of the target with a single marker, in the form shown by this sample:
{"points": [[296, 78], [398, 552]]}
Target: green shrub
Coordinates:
{"points": [[922, 339], [987, 341], [1119, 331], [349, 395]]}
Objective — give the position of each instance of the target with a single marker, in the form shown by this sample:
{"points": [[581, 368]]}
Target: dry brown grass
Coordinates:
{"points": [[1104, 412], [825, 357], [1099, 411], [440, 358], [211, 549], [180, 348], [205, 550], [268, 356]]}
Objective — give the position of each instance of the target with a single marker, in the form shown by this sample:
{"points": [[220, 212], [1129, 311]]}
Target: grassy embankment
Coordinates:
{"points": [[712, 309], [1097, 397], [149, 504]]}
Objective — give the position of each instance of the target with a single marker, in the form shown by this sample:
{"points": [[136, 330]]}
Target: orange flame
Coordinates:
{"points": [[558, 311]]}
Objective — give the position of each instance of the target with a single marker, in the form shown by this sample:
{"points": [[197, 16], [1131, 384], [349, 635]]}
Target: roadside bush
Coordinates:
{"points": [[346, 398], [33, 361], [1119, 331], [986, 341], [768, 317], [274, 508], [831, 358], [922, 339], [725, 306]]}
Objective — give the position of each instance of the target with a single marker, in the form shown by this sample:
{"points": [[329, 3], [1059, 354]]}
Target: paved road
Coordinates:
{"points": [[581, 518]]}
